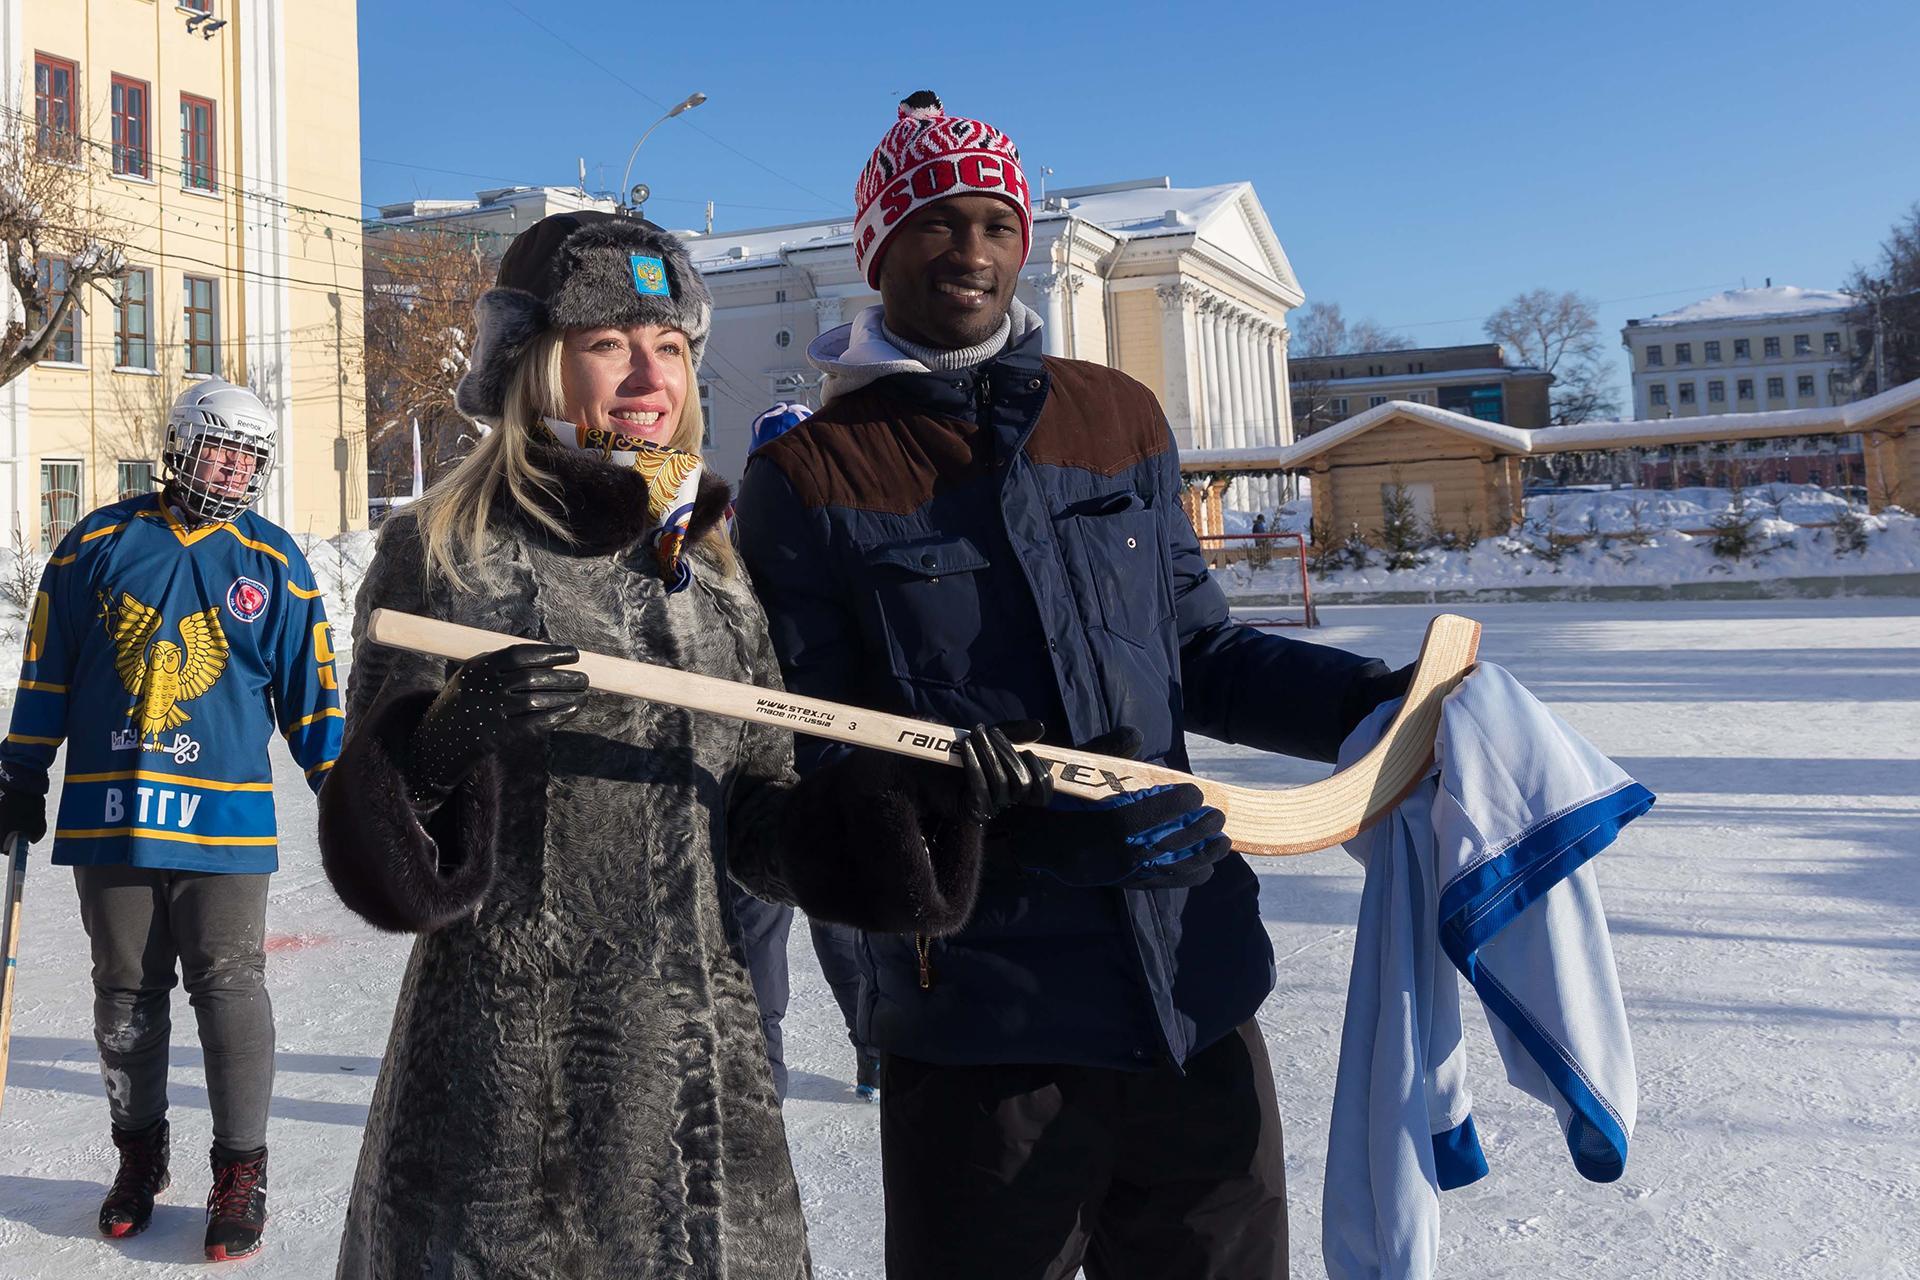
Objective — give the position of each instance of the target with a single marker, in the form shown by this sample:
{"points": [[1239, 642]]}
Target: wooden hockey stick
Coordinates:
{"points": [[1268, 821], [16, 856]]}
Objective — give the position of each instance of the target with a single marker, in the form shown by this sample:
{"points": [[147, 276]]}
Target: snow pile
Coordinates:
{"points": [[1758, 547], [1691, 510]]}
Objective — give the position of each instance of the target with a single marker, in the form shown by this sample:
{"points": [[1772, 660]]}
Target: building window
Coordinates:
{"points": [[1337, 406], [1374, 402], [196, 6], [1686, 393], [1836, 387], [1657, 393], [197, 167], [1776, 388], [203, 325], [1756, 446], [1803, 344], [1746, 388], [1654, 360], [136, 479], [783, 338], [1804, 385], [1814, 475], [65, 348], [1299, 410], [1771, 346], [1716, 392], [133, 322], [129, 107], [54, 134], [1831, 343], [779, 295], [1713, 352], [1742, 349], [59, 501], [1683, 353]]}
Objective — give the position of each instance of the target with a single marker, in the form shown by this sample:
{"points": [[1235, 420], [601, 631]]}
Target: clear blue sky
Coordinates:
{"points": [[1421, 162]]}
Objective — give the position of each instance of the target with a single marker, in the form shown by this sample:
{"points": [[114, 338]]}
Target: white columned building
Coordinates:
{"points": [[1184, 288]]}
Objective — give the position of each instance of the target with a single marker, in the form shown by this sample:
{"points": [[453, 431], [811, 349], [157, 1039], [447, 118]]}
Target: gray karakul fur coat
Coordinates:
{"points": [[576, 1084]]}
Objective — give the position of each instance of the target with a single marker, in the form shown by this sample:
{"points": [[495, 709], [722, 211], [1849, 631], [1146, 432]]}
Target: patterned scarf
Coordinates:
{"points": [[673, 481]]}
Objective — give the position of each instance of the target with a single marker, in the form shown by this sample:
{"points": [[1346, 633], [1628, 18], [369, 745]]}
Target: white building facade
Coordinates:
{"points": [[1182, 288], [1744, 351]]}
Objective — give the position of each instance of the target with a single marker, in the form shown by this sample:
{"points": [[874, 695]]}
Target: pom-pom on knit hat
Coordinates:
{"points": [[929, 155]]}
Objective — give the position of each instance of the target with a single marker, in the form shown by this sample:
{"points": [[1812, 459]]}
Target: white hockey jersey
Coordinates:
{"points": [[1482, 872]]}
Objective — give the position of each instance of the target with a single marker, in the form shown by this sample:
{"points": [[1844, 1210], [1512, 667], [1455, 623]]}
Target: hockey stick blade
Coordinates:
{"points": [[1264, 821]]}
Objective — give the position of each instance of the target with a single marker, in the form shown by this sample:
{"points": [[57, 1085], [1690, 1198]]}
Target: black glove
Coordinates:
{"points": [[24, 813], [1164, 837], [506, 698], [1371, 687], [998, 775]]}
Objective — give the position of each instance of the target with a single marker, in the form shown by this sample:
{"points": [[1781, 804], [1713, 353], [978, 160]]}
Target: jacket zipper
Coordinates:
{"points": [[923, 947], [982, 398]]}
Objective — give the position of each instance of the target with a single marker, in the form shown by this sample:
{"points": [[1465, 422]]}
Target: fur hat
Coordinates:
{"points": [[580, 271], [929, 155]]}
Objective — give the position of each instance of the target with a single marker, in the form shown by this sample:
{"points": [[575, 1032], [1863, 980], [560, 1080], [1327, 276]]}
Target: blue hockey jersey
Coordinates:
{"points": [[165, 656]]}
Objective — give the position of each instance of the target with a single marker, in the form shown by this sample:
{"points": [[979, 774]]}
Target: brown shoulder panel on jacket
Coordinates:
{"points": [[871, 452], [1096, 418]]}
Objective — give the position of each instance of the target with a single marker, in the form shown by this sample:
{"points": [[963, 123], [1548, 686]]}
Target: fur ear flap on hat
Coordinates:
{"points": [[580, 271]]}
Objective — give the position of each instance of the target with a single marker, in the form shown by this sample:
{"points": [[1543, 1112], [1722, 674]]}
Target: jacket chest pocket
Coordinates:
{"points": [[934, 601], [1118, 556]]}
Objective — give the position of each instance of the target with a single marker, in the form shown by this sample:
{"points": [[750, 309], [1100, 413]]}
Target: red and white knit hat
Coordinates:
{"points": [[929, 155]]}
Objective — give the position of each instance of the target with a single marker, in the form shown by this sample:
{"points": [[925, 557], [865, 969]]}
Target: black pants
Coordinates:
{"points": [[150, 928], [1029, 1172]]}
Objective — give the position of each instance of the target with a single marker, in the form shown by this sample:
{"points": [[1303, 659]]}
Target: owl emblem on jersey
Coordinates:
{"points": [[159, 673], [247, 599]]}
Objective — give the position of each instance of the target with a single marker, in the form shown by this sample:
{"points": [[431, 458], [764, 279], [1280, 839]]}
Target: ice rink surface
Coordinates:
{"points": [[1765, 915]]}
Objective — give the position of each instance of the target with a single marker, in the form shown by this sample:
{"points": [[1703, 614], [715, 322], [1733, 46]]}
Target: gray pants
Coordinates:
{"points": [[144, 922]]}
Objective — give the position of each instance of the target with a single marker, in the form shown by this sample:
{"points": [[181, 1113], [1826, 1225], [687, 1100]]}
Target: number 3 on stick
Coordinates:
{"points": [[1259, 820]]}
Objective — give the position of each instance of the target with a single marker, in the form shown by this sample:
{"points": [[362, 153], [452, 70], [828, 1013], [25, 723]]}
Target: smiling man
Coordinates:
{"points": [[972, 532]]}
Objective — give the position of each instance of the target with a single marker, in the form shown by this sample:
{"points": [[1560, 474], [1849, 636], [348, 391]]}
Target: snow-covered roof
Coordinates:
{"points": [[1858, 416], [1134, 213], [1754, 304]]}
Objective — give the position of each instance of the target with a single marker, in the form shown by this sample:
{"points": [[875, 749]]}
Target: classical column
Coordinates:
{"points": [[827, 313], [1220, 430], [1209, 397], [1051, 288], [1243, 377], [1283, 386], [1178, 358], [1263, 382]]}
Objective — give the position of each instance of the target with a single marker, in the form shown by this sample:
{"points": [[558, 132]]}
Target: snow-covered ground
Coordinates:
{"points": [[1764, 917]]}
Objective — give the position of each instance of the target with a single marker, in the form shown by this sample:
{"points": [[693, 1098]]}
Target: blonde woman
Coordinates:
{"points": [[576, 1083]]}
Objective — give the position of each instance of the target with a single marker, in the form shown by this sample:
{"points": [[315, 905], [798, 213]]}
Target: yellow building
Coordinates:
{"points": [[220, 145]]}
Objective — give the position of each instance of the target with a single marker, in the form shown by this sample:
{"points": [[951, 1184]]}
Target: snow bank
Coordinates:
{"points": [[1615, 511], [1783, 549]]}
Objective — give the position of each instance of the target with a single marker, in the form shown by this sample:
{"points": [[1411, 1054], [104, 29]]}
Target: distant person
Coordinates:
{"points": [[173, 634], [1262, 546], [765, 926]]}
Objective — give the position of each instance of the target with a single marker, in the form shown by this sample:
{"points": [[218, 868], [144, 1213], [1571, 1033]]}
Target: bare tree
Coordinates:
{"points": [[1560, 333], [47, 215], [1321, 330], [1887, 310], [422, 283]]}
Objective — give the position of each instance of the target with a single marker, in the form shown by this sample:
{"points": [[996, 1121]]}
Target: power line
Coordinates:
{"points": [[831, 204]]}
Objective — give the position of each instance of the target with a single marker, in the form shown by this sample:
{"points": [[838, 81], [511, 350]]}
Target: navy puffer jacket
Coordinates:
{"points": [[1008, 543]]}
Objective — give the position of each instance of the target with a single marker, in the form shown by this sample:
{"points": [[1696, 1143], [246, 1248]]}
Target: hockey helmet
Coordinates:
{"points": [[214, 414], [777, 421]]}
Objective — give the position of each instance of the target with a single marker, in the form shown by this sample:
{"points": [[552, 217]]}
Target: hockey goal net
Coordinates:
{"points": [[1265, 576]]}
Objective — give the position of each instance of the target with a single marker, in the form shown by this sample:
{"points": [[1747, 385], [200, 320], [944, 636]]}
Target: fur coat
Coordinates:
{"points": [[577, 1083]]}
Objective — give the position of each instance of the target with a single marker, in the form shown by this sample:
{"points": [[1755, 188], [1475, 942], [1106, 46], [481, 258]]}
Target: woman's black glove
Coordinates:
{"points": [[998, 775], [23, 813], [1165, 837], [509, 697]]}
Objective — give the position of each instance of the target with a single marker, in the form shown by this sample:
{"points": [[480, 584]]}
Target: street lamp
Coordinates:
{"points": [[692, 101]]}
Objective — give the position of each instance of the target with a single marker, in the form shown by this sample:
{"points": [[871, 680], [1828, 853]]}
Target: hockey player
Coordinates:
{"points": [[172, 634]]}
